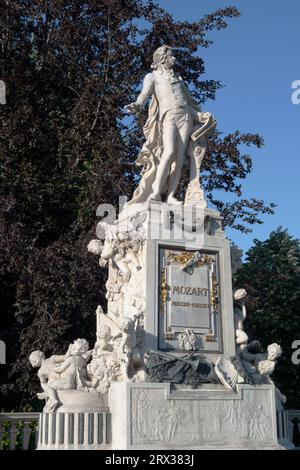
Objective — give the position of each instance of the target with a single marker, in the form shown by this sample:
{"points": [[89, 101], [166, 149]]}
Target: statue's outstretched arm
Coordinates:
{"points": [[147, 90], [61, 358], [63, 366], [57, 358]]}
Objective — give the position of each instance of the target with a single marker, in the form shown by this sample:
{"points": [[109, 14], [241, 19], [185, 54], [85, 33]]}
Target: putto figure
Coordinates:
{"points": [[175, 129], [66, 372]]}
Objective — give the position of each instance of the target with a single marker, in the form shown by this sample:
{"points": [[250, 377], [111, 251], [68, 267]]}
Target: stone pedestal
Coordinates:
{"points": [[74, 431], [155, 416], [82, 422], [184, 283], [170, 298]]}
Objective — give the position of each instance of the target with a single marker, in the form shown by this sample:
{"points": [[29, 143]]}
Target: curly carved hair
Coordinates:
{"points": [[159, 56]]}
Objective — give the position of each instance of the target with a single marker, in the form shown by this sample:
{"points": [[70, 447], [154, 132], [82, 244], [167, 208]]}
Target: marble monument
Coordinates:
{"points": [[171, 367]]}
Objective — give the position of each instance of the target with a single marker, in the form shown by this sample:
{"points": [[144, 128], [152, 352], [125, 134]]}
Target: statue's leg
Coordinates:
{"points": [[124, 269], [169, 146], [241, 337], [53, 401], [183, 134]]}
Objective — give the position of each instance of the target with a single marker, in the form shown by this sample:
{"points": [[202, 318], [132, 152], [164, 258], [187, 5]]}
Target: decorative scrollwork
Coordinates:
{"points": [[186, 256], [182, 258], [214, 301], [163, 289]]}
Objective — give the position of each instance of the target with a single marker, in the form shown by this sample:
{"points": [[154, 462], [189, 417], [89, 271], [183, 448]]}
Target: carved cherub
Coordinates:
{"points": [[239, 318], [118, 249], [260, 365], [67, 372], [126, 346], [102, 344], [188, 340]]}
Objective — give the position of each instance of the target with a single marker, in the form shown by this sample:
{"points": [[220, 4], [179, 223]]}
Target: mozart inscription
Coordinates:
{"points": [[189, 297]]}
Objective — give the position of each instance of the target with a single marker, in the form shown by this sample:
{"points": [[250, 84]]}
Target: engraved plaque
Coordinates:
{"points": [[188, 298]]}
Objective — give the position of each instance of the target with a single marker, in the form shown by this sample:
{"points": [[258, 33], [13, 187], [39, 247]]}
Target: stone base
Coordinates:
{"points": [[76, 401], [81, 422], [74, 431], [154, 416]]}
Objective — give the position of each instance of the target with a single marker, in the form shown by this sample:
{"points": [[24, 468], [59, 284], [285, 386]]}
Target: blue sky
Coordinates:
{"points": [[257, 59]]}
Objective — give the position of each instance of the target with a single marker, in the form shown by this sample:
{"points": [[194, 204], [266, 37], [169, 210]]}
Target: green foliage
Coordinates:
{"points": [[5, 436], [18, 444], [19, 435], [271, 276], [32, 440], [70, 67]]}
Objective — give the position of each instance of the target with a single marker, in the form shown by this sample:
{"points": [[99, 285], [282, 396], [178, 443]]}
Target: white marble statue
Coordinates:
{"points": [[175, 129], [260, 365], [251, 364], [119, 248], [122, 253], [240, 314], [116, 354], [189, 341], [66, 372]]}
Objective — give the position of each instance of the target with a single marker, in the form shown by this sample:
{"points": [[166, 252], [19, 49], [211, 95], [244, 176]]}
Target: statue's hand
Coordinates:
{"points": [[102, 262], [133, 108]]}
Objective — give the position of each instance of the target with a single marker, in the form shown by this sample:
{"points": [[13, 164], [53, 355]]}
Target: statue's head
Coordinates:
{"points": [[125, 324], [104, 332], [79, 346], [163, 56], [274, 351], [36, 358], [123, 236]]}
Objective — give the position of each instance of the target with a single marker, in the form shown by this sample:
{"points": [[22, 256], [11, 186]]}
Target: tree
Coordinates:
{"points": [[70, 67], [271, 276]]}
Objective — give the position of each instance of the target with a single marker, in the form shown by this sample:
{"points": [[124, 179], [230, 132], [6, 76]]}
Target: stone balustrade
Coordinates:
{"points": [[18, 431]]}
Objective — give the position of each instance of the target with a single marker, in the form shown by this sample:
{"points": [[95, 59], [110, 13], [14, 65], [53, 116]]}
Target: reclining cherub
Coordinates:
{"points": [[67, 372]]}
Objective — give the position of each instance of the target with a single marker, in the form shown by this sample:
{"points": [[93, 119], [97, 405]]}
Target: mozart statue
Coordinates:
{"points": [[176, 130]]}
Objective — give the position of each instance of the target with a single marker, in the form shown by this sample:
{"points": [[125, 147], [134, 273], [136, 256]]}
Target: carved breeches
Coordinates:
{"points": [[176, 129]]}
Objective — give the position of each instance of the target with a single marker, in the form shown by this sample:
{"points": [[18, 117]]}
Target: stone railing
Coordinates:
{"points": [[18, 431], [293, 426]]}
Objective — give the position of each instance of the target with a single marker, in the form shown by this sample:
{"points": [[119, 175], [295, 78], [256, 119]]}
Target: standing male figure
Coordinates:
{"points": [[173, 114]]}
